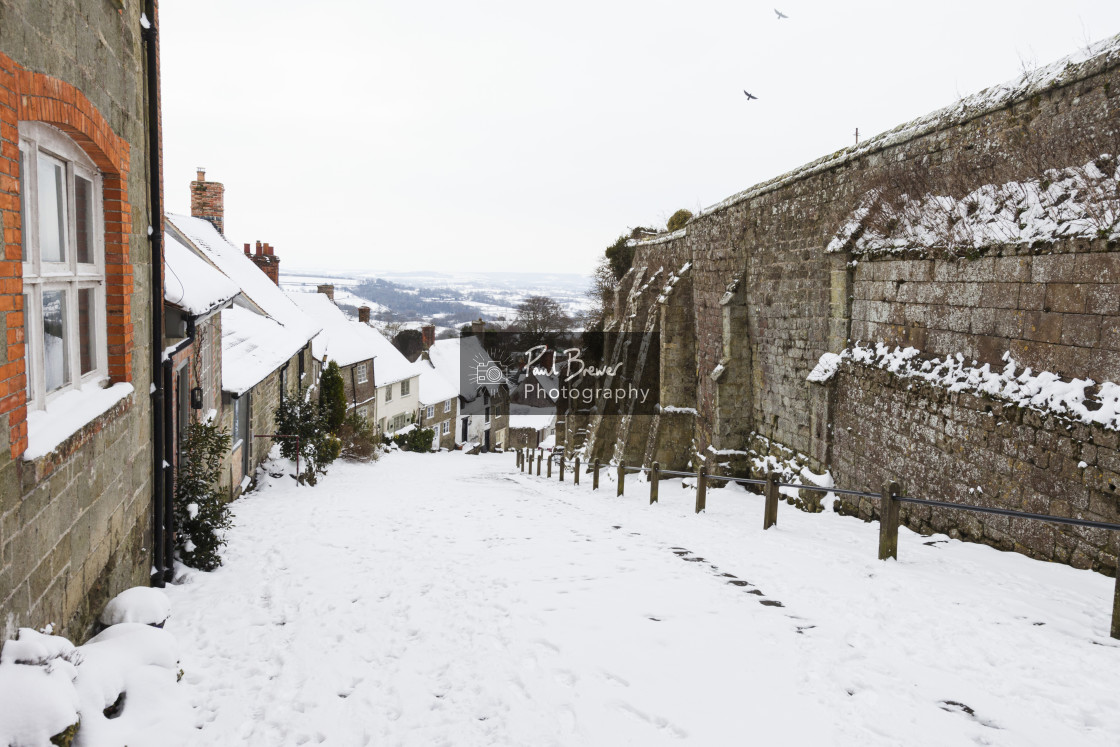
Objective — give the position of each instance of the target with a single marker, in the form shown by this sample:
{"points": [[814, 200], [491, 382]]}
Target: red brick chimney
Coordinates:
{"points": [[266, 260], [428, 335], [208, 201], [327, 290], [363, 314]]}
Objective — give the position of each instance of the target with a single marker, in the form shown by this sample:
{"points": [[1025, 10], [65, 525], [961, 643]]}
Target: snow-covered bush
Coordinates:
{"points": [[414, 439], [359, 442], [317, 446], [201, 511], [332, 397]]}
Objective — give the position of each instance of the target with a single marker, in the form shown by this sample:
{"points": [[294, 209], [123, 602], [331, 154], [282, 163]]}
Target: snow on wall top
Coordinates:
{"points": [[1044, 391], [253, 283], [253, 346], [434, 388], [1077, 66], [1075, 202], [340, 339], [191, 283]]}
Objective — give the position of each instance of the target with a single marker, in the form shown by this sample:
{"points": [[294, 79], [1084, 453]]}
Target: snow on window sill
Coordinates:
{"points": [[67, 415]]}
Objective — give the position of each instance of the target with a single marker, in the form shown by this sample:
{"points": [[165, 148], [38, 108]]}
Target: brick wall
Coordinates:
{"points": [[75, 524]]}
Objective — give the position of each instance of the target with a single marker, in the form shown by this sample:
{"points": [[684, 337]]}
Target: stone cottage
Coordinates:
{"points": [[81, 507], [265, 338]]}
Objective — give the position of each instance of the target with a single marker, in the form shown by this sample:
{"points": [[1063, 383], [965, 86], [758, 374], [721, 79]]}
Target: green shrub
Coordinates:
{"points": [[332, 397], [678, 219], [359, 442], [201, 511], [318, 447], [620, 255], [417, 439]]}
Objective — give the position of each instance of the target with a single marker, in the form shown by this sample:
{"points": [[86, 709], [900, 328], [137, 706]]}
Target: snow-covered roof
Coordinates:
{"points": [[341, 338], [534, 422], [449, 356], [191, 283], [234, 264], [390, 365], [434, 388], [253, 346]]}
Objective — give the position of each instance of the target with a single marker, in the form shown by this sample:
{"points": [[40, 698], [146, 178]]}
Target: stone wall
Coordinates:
{"points": [[970, 449], [75, 526], [777, 277]]}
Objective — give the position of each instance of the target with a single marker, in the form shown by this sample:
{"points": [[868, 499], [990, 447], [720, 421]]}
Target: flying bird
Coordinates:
{"points": [[781, 15], [750, 96]]}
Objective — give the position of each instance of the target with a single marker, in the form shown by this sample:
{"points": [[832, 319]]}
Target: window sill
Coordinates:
{"points": [[71, 419]]}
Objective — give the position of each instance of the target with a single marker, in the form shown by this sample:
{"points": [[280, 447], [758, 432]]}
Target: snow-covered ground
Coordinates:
{"points": [[451, 600]]}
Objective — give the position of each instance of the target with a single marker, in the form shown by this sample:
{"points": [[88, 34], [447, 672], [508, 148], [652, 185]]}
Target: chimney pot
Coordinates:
{"points": [[259, 249], [201, 173], [247, 249]]}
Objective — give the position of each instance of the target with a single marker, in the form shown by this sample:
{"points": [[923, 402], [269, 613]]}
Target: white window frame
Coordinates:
{"points": [[430, 412], [37, 140], [446, 427], [389, 393], [447, 405], [363, 377], [405, 388]]}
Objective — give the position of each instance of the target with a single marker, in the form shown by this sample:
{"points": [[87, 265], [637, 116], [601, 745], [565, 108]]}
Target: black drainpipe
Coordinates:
{"points": [[354, 386], [159, 400]]}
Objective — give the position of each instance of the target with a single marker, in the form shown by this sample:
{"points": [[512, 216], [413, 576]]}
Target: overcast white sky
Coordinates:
{"points": [[515, 135]]}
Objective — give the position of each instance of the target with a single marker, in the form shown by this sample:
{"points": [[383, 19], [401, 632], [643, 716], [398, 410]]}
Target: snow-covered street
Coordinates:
{"points": [[451, 600]]}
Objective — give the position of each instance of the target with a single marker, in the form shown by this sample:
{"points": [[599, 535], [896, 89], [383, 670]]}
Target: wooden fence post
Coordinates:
{"points": [[1116, 609], [621, 476], [517, 457], [702, 488], [575, 473], [888, 521], [548, 466], [540, 455], [561, 468], [770, 511], [595, 474], [654, 478]]}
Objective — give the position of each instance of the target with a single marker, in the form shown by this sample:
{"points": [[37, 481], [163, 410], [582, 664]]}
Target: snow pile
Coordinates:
{"points": [[140, 604], [1079, 202], [1043, 392], [119, 688], [790, 467], [825, 369]]}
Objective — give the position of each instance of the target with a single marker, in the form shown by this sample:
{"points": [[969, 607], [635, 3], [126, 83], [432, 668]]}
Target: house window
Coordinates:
{"points": [[389, 393], [63, 263], [404, 388], [447, 406], [431, 413], [238, 421], [446, 427], [361, 371]]}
